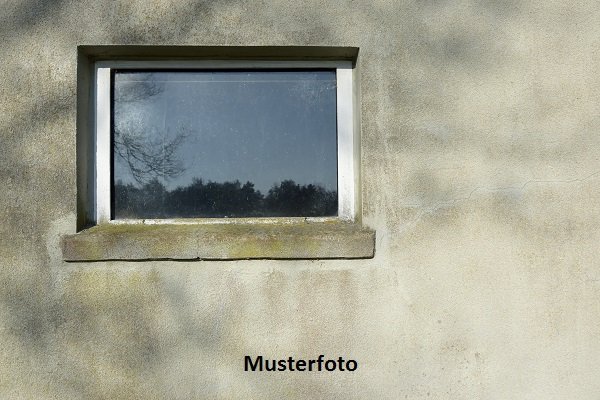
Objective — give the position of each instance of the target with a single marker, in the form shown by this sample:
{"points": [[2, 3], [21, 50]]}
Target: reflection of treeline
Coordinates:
{"points": [[228, 199]]}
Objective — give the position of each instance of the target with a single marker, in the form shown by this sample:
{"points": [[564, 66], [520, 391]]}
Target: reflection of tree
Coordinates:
{"points": [[215, 199], [291, 199], [227, 199], [147, 159]]}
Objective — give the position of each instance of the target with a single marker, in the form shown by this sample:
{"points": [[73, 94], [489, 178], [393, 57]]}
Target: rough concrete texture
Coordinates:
{"points": [[480, 175], [220, 241]]}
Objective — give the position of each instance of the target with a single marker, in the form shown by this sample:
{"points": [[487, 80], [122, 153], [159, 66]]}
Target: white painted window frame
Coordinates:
{"points": [[347, 132]]}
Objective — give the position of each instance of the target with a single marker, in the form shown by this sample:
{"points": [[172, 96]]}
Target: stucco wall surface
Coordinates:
{"points": [[480, 175]]}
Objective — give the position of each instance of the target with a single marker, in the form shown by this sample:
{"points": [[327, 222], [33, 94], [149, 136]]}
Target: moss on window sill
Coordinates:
{"points": [[229, 241]]}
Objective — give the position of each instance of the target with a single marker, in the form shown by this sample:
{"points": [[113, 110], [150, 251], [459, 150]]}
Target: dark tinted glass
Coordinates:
{"points": [[224, 143]]}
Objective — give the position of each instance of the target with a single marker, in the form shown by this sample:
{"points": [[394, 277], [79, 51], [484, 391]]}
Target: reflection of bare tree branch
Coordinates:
{"points": [[146, 159], [149, 160], [142, 88]]}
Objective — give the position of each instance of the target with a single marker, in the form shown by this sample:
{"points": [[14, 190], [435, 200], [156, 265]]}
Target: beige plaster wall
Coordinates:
{"points": [[481, 176]]}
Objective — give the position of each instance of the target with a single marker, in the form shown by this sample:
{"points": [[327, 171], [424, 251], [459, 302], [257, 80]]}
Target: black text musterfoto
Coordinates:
{"points": [[260, 364]]}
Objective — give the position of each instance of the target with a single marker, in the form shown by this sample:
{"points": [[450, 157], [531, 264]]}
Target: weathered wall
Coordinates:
{"points": [[481, 174]]}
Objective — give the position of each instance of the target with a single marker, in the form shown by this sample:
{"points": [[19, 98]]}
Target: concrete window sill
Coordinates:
{"points": [[223, 241]]}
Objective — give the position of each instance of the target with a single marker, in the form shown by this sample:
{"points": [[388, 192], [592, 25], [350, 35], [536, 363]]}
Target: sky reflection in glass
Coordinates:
{"points": [[172, 129]]}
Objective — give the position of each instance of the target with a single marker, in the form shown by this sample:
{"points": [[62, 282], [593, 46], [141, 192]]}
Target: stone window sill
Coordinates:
{"points": [[221, 241]]}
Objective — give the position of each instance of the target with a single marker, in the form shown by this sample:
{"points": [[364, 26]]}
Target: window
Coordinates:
{"points": [[217, 153], [198, 139]]}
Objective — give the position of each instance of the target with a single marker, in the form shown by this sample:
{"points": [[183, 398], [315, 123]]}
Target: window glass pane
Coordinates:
{"points": [[224, 143]]}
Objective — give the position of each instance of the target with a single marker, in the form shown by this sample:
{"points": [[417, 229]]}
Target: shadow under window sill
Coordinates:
{"points": [[287, 239]]}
